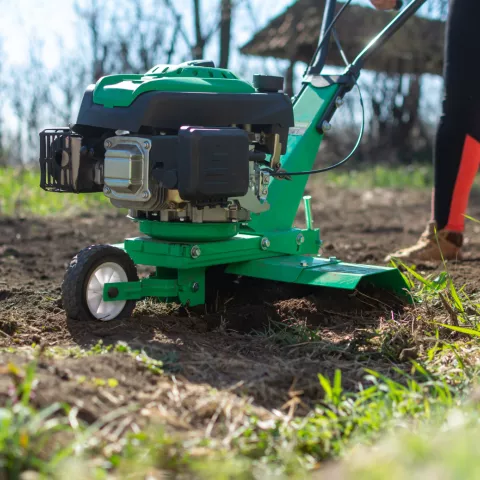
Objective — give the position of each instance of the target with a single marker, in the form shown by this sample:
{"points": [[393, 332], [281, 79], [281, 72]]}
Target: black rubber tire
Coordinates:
{"points": [[75, 280]]}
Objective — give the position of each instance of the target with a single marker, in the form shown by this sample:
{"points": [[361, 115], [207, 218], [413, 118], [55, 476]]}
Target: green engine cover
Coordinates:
{"points": [[122, 90]]}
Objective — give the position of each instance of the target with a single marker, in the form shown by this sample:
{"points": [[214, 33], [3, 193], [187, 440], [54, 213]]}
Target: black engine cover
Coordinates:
{"points": [[206, 165], [269, 112], [212, 164]]}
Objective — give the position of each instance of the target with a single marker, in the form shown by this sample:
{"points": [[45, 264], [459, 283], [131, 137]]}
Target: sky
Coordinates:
{"points": [[23, 21], [52, 22]]}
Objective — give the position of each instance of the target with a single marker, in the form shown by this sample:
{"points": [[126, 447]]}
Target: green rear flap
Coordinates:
{"points": [[321, 272], [122, 90]]}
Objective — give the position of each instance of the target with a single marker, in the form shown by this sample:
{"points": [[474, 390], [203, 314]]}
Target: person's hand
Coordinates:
{"points": [[384, 4]]}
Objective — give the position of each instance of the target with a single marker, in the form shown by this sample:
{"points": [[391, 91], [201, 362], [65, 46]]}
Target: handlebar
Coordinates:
{"points": [[385, 34], [329, 19]]}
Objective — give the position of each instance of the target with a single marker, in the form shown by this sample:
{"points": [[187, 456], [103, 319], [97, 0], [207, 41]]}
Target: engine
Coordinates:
{"points": [[192, 143]]}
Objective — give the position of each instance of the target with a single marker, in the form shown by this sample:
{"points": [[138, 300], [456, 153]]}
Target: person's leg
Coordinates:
{"points": [[457, 146], [457, 149]]}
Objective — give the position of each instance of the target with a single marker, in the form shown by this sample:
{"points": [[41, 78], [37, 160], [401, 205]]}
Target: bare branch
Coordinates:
{"points": [[179, 23]]}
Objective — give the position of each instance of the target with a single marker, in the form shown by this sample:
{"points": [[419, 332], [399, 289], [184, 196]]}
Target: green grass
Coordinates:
{"points": [[21, 195], [411, 176], [419, 176], [449, 451]]}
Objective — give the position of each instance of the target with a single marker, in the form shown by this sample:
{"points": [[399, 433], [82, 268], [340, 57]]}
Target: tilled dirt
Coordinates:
{"points": [[254, 347]]}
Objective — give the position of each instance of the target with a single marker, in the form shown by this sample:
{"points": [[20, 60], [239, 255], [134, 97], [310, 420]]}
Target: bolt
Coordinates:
{"points": [[304, 263], [145, 194], [265, 243], [195, 252], [326, 126], [300, 239], [195, 287], [108, 144], [146, 144], [333, 259], [106, 190], [339, 102], [113, 292]]}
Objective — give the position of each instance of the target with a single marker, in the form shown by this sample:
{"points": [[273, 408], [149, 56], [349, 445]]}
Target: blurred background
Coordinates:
{"points": [[51, 50]]}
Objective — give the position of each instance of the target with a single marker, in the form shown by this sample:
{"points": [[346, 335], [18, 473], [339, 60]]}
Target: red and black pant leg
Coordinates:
{"points": [[457, 145]]}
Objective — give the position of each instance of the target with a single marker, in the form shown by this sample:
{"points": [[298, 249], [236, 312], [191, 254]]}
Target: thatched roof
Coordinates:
{"points": [[293, 35]]}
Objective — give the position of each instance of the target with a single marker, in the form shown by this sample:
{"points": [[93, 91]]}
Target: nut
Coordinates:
{"points": [[195, 252], [195, 287], [108, 144], [300, 239], [145, 194], [339, 102], [265, 243], [326, 126], [106, 190], [147, 145]]}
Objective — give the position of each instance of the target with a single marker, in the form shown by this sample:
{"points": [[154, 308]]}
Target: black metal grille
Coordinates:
{"points": [[56, 172]]}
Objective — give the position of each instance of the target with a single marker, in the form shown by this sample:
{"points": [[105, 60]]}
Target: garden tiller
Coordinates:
{"points": [[213, 170]]}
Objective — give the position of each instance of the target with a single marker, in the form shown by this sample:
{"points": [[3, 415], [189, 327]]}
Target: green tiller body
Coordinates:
{"points": [[197, 156]]}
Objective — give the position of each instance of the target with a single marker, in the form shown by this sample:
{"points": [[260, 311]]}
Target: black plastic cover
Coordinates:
{"points": [[198, 63], [267, 83], [213, 164], [270, 112]]}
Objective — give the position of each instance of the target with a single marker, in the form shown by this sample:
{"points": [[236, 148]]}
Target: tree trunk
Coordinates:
{"points": [[198, 48], [290, 78], [225, 32], [293, 21]]}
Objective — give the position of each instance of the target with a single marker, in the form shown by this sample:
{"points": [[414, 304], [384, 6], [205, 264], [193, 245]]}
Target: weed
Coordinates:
{"points": [[27, 436], [288, 333], [151, 364]]}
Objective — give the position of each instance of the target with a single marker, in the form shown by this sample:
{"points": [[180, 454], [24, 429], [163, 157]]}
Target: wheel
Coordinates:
{"points": [[88, 272]]}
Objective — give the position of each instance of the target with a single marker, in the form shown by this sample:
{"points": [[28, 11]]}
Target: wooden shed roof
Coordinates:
{"points": [[416, 48]]}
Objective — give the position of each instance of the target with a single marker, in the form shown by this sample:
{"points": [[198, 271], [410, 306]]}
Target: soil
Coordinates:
{"points": [[253, 348]]}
